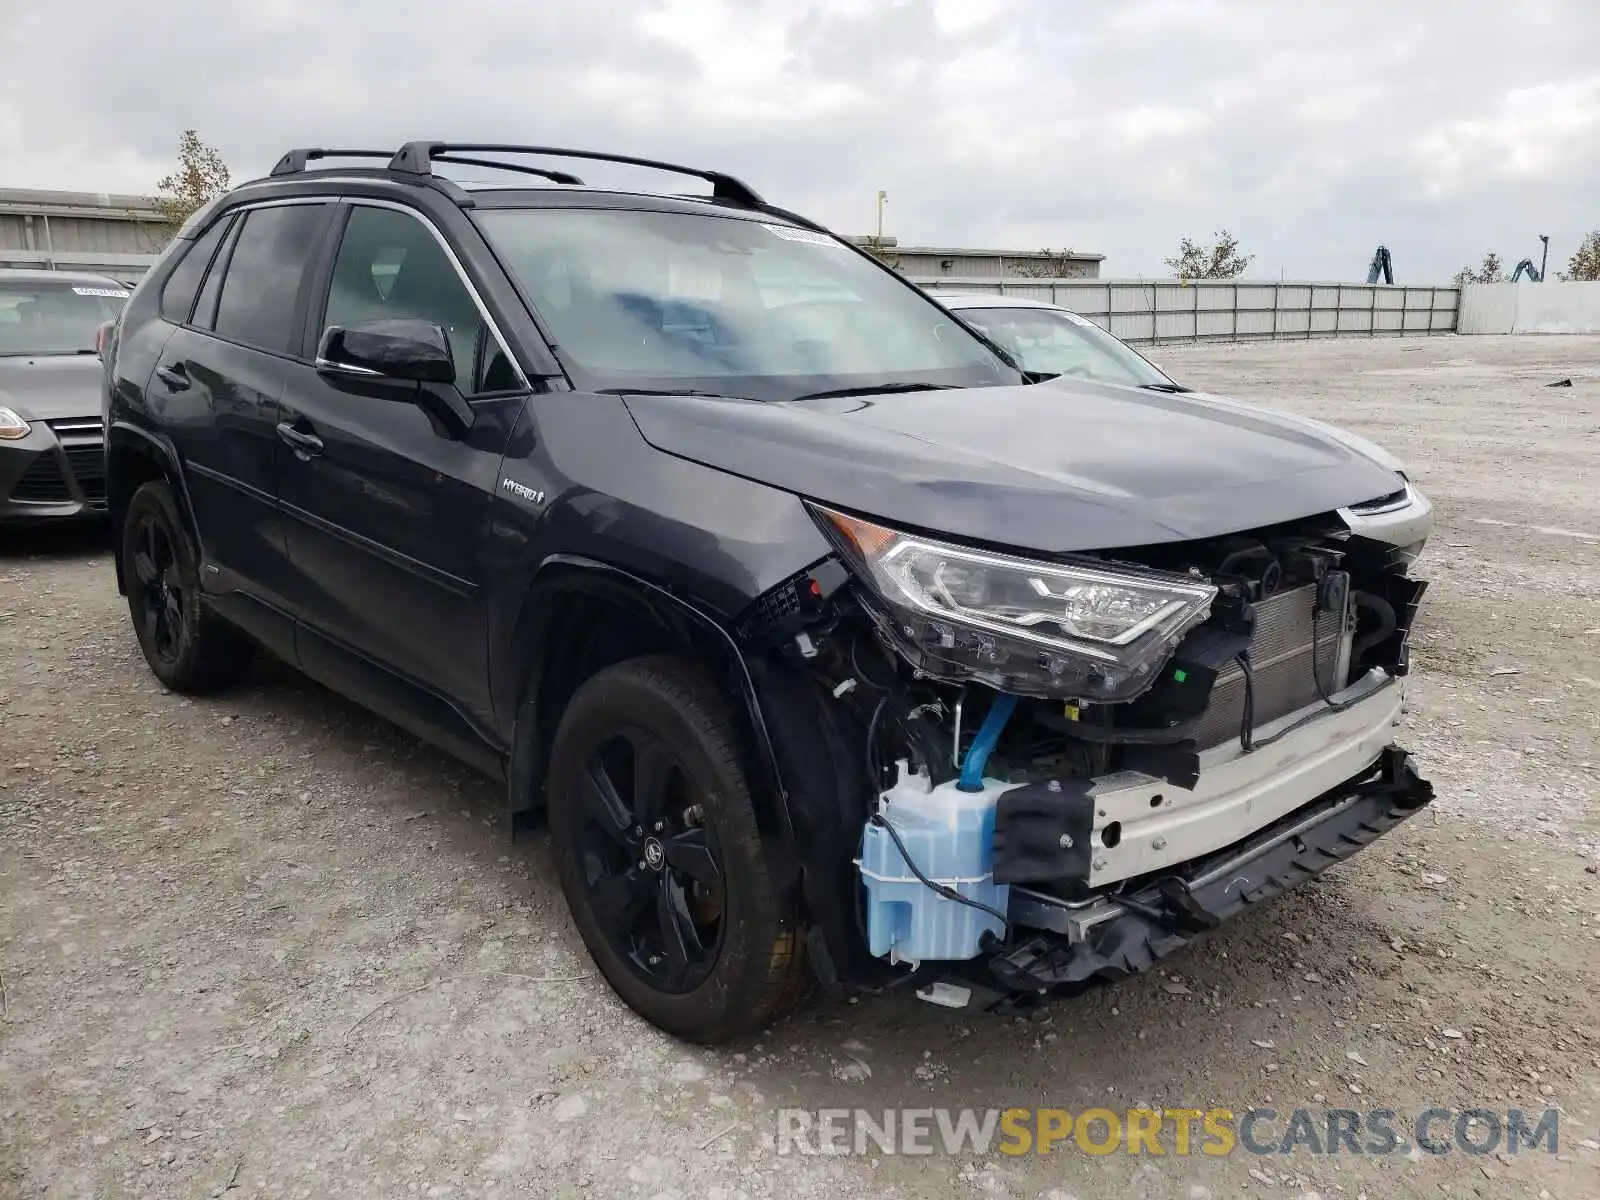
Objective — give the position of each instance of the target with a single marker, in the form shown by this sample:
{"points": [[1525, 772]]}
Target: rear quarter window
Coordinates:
{"points": [[178, 293]]}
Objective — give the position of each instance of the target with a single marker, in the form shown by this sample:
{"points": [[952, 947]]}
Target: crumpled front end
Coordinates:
{"points": [[1074, 767]]}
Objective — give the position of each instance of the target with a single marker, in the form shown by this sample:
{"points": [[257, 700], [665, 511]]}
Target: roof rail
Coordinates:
{"points": [[296, 160], [417, 158], [552, 176]]}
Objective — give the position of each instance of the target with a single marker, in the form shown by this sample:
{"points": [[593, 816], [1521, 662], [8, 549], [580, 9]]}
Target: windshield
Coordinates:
{"points": [[1063, 343], [54, 318], [675, 301]]}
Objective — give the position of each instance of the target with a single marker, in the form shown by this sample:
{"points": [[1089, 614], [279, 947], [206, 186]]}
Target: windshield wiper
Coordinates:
{"points": [[874, 389], [623, 391], [1165, 387], [42, 353]]}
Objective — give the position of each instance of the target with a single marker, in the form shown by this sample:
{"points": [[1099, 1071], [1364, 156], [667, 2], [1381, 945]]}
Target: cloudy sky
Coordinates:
{"points": [[1312, 130]]}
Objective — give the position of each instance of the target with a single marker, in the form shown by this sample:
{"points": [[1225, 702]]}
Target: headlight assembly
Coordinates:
{"points": [[12, 427], [1075, 629]]}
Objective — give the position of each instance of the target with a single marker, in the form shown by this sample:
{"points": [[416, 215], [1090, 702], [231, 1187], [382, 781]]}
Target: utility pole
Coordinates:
{"points": [[883, 198], [1544, 257]]}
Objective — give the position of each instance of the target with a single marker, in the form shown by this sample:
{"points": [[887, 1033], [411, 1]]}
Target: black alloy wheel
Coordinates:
{"points": [[649, 862], [188, 647], [155, 587], [661, 858]]}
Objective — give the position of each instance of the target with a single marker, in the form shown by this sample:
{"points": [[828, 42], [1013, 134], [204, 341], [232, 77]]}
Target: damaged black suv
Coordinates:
{"points": [[835, 646]]}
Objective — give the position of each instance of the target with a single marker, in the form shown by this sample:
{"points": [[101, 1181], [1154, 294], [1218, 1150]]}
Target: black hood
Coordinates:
{"points": [[1053, 468], [43, 387]]}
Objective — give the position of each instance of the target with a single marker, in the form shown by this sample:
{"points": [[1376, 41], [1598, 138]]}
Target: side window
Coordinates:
{"points": [[264, 272], [205, 309], [389, 266], [177, 294]]}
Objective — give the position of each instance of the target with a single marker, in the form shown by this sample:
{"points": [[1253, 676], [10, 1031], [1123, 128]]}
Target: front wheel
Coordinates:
{"points": [[662, 864]]}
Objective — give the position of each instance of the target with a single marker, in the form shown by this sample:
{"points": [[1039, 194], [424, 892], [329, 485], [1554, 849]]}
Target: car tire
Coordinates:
{"points": [[664, 868], [189, 648]]}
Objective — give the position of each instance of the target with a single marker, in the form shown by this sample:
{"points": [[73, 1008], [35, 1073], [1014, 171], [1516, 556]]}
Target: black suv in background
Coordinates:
{"points": [[835, 645]]}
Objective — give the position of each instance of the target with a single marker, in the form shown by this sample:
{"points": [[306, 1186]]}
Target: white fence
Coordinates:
{"points": [[1139, 310], [1530, 308]]}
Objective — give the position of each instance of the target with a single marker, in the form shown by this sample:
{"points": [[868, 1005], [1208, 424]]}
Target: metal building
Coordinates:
{"points": [[950, 262], [121, 235], [112, 235]]}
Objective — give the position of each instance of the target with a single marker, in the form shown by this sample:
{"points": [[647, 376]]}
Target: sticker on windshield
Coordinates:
{"points": [[790, 234], [115, 293]]}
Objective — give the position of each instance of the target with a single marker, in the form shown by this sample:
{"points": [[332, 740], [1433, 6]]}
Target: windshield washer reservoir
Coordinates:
{"points": [[948, 834]]}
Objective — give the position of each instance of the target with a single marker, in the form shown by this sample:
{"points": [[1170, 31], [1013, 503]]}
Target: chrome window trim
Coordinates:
{"points": [[279, 202]]}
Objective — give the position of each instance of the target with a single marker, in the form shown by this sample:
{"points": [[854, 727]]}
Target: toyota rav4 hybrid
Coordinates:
{"points": [[834, 644], [52, 457]]}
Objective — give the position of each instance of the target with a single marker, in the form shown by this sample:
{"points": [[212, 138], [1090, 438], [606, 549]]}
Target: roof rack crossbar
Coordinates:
{"points": [[295, 161], [552, 176], [416, 158]]}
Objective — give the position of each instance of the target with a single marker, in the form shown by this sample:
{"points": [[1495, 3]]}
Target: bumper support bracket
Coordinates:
{"points": [[1166, 914]]}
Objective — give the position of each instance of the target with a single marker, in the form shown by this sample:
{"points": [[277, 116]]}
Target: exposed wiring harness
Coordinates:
{"points": [[1247, 720], [855, 666], [874, 767]]}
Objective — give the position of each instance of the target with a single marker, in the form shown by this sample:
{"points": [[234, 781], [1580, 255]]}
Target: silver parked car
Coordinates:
{"points": [[52, 445], [1051, 340]]}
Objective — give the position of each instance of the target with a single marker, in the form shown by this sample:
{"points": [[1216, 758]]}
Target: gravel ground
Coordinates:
{"points": [[266, 945]]}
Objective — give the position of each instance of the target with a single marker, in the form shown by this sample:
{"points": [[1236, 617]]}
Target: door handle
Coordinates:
{"points": [[175, 377], [304, 445]]}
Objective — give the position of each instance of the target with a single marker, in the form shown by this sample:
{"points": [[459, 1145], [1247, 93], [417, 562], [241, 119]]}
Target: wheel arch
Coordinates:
{"points": [[581, 615], [809, 799], [134, 457]]}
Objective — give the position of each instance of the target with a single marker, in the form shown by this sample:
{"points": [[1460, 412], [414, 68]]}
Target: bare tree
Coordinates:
{"points": [[1052, 264], [1489, 272], [1220, 260], [201, 177], [1585, 264]]}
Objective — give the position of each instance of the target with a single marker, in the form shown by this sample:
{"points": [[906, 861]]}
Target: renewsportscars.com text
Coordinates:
{"points": [[1175, 1131]]}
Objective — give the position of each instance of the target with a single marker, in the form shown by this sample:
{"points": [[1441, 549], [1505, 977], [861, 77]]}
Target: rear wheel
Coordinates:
{"points": [[660, 858], [189, 648]]}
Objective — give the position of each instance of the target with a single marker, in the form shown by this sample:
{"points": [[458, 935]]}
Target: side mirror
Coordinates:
{"points": [[405, 349]]}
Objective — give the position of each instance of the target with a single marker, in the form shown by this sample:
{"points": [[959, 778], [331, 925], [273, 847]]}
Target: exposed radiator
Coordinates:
{"points": [[1282, 654]]}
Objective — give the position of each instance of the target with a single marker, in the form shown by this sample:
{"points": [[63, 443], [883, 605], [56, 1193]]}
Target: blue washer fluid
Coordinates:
{"points": [[949, 834]]}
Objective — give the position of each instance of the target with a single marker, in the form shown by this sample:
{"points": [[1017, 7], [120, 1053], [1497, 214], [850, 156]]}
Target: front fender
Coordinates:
{"points": [[810, 792], [538, 629], [134, 456]]}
